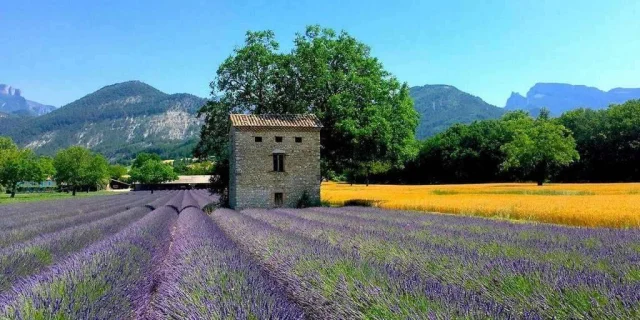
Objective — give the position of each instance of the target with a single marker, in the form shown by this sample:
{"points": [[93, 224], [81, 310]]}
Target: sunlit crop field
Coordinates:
{"points": [[160, 256], [595, 205]]}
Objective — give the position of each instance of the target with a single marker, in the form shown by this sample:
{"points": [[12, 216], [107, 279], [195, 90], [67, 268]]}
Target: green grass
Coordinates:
{"points": [[45, 196]]}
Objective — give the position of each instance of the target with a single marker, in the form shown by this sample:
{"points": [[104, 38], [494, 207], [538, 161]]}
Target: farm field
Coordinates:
{"points": [[143, 256], [615, 205]]}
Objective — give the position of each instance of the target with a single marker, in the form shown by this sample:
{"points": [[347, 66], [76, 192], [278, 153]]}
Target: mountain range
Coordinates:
{"points": [[118, 121], [561, 97], [123, 119], [12, 102]]}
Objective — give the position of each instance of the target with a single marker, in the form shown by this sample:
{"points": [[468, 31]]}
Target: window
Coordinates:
{"points": [[278, 199], [278, 162], [258, 139], [299, 139], [278, 139]]}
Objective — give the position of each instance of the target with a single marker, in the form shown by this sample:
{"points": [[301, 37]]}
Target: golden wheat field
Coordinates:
{"points": [[614, 205]]}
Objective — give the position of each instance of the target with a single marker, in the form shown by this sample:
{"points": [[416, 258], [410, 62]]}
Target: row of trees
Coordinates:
{"points": [[76, 168], [608, 142], [579, 146]]}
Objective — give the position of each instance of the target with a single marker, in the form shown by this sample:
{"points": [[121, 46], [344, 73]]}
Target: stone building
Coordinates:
{"points": [[274, 160]]}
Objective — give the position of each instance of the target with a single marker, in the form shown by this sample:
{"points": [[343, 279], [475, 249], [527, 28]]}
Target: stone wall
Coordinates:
{"points": [[254, 183]]}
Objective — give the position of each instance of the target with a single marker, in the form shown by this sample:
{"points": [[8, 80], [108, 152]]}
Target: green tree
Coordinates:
{"points": [[180, 166], [153, 172], [367, 114], [17, 165], [143, 157], [117, 171], [73, 166], [539, 147], [98, 173], [46, 165], [6, 143]]}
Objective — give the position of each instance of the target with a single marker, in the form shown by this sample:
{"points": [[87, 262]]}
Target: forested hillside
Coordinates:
{"points": [[118, 121], [441, 106]]}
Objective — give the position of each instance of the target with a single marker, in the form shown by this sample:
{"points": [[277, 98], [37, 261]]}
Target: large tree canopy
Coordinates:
{"points": [[368, 116], [539, 147], [150, 170], [77, 166]]}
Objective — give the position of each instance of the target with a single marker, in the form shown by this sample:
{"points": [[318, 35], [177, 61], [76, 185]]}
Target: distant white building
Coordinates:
{"points": [[183, 183]]}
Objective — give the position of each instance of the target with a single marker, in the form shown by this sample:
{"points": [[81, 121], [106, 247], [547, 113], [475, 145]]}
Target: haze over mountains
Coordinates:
{"points": [[123, 119], [12, 102], [561, 97]]}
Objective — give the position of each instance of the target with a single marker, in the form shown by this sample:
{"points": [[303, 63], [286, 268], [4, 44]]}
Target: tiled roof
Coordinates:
{"points": [[275, 120]]}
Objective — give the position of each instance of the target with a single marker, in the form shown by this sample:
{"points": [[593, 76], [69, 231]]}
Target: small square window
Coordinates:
{"points": [[299, 139], [258, 139], [278, 139]]}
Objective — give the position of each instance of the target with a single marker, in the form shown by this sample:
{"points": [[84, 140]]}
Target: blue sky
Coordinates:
{"points": [[57, 53]]}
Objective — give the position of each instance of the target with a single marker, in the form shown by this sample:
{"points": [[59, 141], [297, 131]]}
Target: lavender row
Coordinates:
{"points": [[204, 198], [36, 208], [106, 281], [33, 256], [59, 212], [333, 283], [15, 216], [573, 248], [190, 198], [15, 235], [207, 277], [451, 251]]}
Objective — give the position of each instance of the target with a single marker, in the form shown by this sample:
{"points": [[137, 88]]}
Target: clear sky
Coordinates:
{"points": [[57, 53]]}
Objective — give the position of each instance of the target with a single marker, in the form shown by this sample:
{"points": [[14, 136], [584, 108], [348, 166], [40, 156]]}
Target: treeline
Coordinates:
{"points": [[75, 167], [517, 147]]}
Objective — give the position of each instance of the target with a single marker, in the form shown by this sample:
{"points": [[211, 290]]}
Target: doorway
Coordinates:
{"points": [[279, 199]]}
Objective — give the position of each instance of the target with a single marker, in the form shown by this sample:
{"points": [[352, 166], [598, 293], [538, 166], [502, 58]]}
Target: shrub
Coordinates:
{"points": [[306, 202], [360, 203]]}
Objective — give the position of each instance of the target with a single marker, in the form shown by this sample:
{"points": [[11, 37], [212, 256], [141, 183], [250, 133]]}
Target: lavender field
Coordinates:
{"points": [[143, 256]]}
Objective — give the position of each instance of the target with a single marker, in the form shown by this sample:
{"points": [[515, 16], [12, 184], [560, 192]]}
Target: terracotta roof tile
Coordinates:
{"points": [[275, 120]]}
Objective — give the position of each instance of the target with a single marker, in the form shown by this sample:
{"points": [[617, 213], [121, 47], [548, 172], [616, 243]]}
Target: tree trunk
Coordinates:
{"points": [[367, 178], [542, 173], [13, 190], [73, 191], [151, 187]]}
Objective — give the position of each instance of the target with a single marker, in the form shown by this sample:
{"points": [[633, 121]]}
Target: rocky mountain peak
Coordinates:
{"points": [[562, 97], [515, 101], [7, 90], [12, 102]]}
